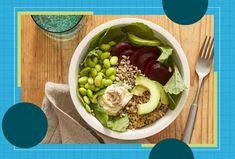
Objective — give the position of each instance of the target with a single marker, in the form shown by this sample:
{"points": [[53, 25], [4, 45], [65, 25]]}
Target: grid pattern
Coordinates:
{"points": [[227, 92]]}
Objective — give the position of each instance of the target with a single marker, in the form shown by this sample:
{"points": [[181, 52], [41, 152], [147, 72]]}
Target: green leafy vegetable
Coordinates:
{"points": [[172, 103], [166, 52], [175, 85], [101, 114], [95, 52], [119, 124], [139, 29], [95, 97], [80, 98], [114, 123], [95, 40], [113, 33]]}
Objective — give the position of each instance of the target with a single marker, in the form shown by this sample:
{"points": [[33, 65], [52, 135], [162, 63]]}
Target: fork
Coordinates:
{"points": [[203, 66]]}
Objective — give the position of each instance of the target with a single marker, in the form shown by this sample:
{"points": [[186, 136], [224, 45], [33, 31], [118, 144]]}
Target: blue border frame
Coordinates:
{"points": [[7, 82]]}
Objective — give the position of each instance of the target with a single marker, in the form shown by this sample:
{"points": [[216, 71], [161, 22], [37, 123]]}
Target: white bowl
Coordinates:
{"points": [[149, 130]]}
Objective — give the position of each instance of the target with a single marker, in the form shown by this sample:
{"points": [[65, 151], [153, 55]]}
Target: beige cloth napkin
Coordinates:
{"points": [[64, 122]]}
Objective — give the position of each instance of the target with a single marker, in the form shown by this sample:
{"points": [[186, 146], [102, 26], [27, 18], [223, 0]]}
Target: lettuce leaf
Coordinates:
{"points": [[95, 40], [114, 123], [139, 29], [175, 85], [95, 52], [166, 52], [172, 103], [80, 97], [96, 95], [113, 33], [119, 124], [101, 114]]}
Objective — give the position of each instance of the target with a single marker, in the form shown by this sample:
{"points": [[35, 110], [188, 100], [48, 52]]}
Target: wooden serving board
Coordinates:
{"points": [[44, 59]]}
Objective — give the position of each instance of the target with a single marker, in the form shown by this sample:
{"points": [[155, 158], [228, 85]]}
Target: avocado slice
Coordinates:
{"points": [[139, 41], [155, 94], [164, 97], [138, 90]]}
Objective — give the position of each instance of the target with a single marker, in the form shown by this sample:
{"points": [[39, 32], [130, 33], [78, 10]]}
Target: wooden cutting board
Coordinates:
{"points": [[44, 59]]}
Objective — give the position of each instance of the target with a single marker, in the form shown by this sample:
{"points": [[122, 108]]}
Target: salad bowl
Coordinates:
{"points": [[149, 130]]}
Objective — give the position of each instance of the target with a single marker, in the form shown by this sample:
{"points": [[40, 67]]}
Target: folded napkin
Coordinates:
{"points": [[65, 125]]}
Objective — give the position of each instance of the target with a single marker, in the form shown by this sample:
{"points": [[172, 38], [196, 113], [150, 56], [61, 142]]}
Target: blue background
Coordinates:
{"points": [[8, 77]]}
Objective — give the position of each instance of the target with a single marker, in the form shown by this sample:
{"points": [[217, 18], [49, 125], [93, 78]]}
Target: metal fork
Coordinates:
{"points": [[202, 69]]}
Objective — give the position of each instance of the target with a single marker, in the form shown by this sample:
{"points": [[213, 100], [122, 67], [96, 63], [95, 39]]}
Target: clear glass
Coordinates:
{"points": [[60, 27]]}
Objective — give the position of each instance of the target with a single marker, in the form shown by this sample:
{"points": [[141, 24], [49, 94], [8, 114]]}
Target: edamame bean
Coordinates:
{"points": [[88, 108], [86, 100], [82, 91], [110, 71], [85, 71], [112, 77], [95, 59], [105, 55], [100, 62], [83, 80], [90, 63], [107, 82], [114, 60], [99, 52], [98, 67], [87, 85], [93, 72], [90, 80], [97, 89], [89, 93], [105, 47], [101, 73], [106, 63], [98, 80], [82, 86], [112, 43], [90, 86]]}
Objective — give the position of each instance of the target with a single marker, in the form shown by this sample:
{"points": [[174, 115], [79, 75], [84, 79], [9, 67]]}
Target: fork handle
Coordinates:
{"points": [[192, 115]]}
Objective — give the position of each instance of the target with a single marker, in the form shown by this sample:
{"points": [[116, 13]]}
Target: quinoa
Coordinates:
{"points": [[128, 73], [139, 121]]}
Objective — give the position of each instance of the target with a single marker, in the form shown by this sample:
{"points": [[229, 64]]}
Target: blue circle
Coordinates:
{"points": [[185, 11], [24, 125], [171, 148]]}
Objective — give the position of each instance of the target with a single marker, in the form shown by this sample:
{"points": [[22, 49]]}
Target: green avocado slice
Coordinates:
{"points": [[139, 90], [155, 95]]}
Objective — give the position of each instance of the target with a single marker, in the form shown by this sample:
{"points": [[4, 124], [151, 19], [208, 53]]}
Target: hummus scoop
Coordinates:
{"points": [[115, 98]]}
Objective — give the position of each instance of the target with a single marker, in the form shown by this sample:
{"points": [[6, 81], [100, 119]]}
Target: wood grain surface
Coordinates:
{"points": [[44, 59]]}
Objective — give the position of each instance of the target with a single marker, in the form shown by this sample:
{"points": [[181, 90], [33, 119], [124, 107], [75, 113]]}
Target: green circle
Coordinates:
{"points": [[185, 11], [24, 125], [171, 149]]}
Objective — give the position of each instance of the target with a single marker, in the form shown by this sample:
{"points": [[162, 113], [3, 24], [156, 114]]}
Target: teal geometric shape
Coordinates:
{"points": [[185, 11], [24, 125], [171, 149]]}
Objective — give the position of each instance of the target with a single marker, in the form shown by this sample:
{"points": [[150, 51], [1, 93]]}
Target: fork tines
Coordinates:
{"points": [[207, 49]]}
